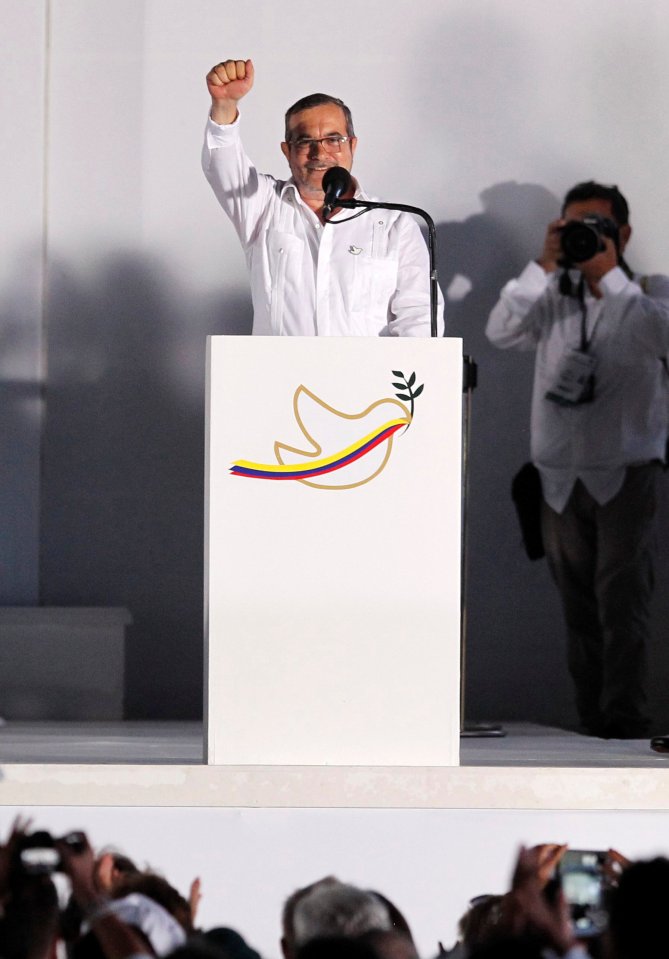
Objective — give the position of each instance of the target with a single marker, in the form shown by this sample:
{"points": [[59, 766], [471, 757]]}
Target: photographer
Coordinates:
{"points": [[598, 434], [28, 903]]}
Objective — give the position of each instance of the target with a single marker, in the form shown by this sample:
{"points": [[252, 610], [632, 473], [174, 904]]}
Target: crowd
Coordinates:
{"points": [[115, 910]]}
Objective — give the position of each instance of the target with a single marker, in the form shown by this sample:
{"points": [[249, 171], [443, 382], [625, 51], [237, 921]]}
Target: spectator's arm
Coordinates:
{"points": [[525, 908], [118, 940]]}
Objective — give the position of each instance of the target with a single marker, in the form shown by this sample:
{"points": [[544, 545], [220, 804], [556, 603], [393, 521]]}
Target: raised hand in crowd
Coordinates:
{"points": [[117, 939], [527, 912]]}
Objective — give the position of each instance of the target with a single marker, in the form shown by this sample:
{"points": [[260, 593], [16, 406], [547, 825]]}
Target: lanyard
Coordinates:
{"points": [[585, 342]]}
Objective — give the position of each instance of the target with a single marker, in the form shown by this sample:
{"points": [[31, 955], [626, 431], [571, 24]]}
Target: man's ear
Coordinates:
{"points": [[285, 149], [353, 145], [625, 233]]}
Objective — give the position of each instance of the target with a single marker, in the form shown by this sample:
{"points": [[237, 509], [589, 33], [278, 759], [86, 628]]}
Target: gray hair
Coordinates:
{"points": [[338, 910]]}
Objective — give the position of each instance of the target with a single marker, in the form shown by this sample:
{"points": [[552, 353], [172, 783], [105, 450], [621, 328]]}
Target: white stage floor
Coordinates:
{"points": [[166, 743], [158, 764]]}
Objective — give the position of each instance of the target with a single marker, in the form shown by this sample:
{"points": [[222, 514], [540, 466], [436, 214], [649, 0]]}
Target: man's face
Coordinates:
{"points": [[309, 163], [576, 211]]}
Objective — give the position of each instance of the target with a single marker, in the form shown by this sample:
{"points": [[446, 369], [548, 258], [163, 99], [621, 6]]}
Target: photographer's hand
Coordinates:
{"points": [[601, 264], [552, 251]]}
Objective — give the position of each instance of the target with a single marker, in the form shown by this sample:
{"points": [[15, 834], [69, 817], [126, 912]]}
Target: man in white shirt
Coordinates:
{"points": [[365, 277], [598, 433]]}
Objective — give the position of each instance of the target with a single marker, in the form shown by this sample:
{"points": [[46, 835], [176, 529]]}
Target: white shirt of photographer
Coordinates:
{"points": [[367, 277], [628, 422]]}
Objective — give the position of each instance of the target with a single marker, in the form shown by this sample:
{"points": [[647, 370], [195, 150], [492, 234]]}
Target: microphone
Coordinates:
{"points": [[336, 182]]}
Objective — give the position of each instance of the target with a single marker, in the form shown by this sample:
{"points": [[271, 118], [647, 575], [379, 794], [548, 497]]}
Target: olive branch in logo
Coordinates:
{"points": [[409, 393]]}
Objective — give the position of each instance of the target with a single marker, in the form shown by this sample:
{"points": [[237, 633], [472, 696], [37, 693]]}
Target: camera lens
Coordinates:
{"points": [[580, 242]]}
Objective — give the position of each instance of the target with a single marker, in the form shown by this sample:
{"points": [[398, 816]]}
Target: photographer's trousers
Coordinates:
{"points": [[601, 558]]}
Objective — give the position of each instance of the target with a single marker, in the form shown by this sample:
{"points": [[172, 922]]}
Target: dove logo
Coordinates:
{"points": [[342, 450], [355, 250]]}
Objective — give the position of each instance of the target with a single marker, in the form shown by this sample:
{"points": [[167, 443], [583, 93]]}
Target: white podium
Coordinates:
{"points": [[332, 555]]}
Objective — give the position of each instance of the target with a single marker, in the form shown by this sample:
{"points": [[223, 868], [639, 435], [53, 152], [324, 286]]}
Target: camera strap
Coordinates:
{"points": [[585, 340]]}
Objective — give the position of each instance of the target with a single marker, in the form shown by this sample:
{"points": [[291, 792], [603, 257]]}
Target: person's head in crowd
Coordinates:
{"points": [[397, 918], [158, 929], [111, 868], [227, 943], [29, 925], [509, 947], [157, 888], [288, 914], [29, 912], [338, 909], [88, 946], [638, 912], [389, 944], [336, 947], [198, 948], [480, 921]]}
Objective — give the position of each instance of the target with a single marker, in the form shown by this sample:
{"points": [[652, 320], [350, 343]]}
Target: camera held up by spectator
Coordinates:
{"points": [[37, 853]]}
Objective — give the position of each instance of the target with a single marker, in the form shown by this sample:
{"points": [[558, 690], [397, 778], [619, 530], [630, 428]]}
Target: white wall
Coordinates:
{"points": [[484, 112], [429, 862]]}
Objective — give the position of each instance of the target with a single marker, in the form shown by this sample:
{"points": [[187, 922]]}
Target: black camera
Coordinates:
{"points": [[582, 239], [586, 889], [37, 854]]}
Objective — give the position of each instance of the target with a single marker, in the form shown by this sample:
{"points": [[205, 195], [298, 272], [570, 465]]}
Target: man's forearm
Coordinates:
{"points": [[223, 111], [513, 321]]}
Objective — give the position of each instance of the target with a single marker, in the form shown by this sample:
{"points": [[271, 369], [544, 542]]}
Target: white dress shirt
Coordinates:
{"points": [[368, 277], [628, 332]]}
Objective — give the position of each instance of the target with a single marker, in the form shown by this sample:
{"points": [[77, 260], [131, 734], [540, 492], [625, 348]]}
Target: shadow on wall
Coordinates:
{"points": [[515, 651], [123, 465], [20, 416], [514, 631]]}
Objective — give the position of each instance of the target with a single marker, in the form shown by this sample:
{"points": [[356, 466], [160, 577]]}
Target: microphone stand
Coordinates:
{"points": [[353, 204], [467, 730]]}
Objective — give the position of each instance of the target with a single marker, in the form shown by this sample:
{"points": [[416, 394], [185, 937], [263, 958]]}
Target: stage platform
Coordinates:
{"points": [[160, 764], [181, 743]]}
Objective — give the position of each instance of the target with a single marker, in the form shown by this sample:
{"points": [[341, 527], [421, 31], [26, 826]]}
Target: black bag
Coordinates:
{"points": [[526, 495]]}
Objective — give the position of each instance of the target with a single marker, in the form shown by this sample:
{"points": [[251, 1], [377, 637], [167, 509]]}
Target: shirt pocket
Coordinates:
{"points": [[374, 285], [285, 253]]}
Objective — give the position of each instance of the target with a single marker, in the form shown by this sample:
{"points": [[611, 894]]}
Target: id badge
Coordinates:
{"points": [[574, 380]]}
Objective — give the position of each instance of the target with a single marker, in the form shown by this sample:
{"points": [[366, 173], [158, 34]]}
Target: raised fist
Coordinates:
{"points": [[230, 80]]}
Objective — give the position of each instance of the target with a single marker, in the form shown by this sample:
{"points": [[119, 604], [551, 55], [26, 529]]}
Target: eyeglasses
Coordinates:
{"points": [[331, 144]]}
